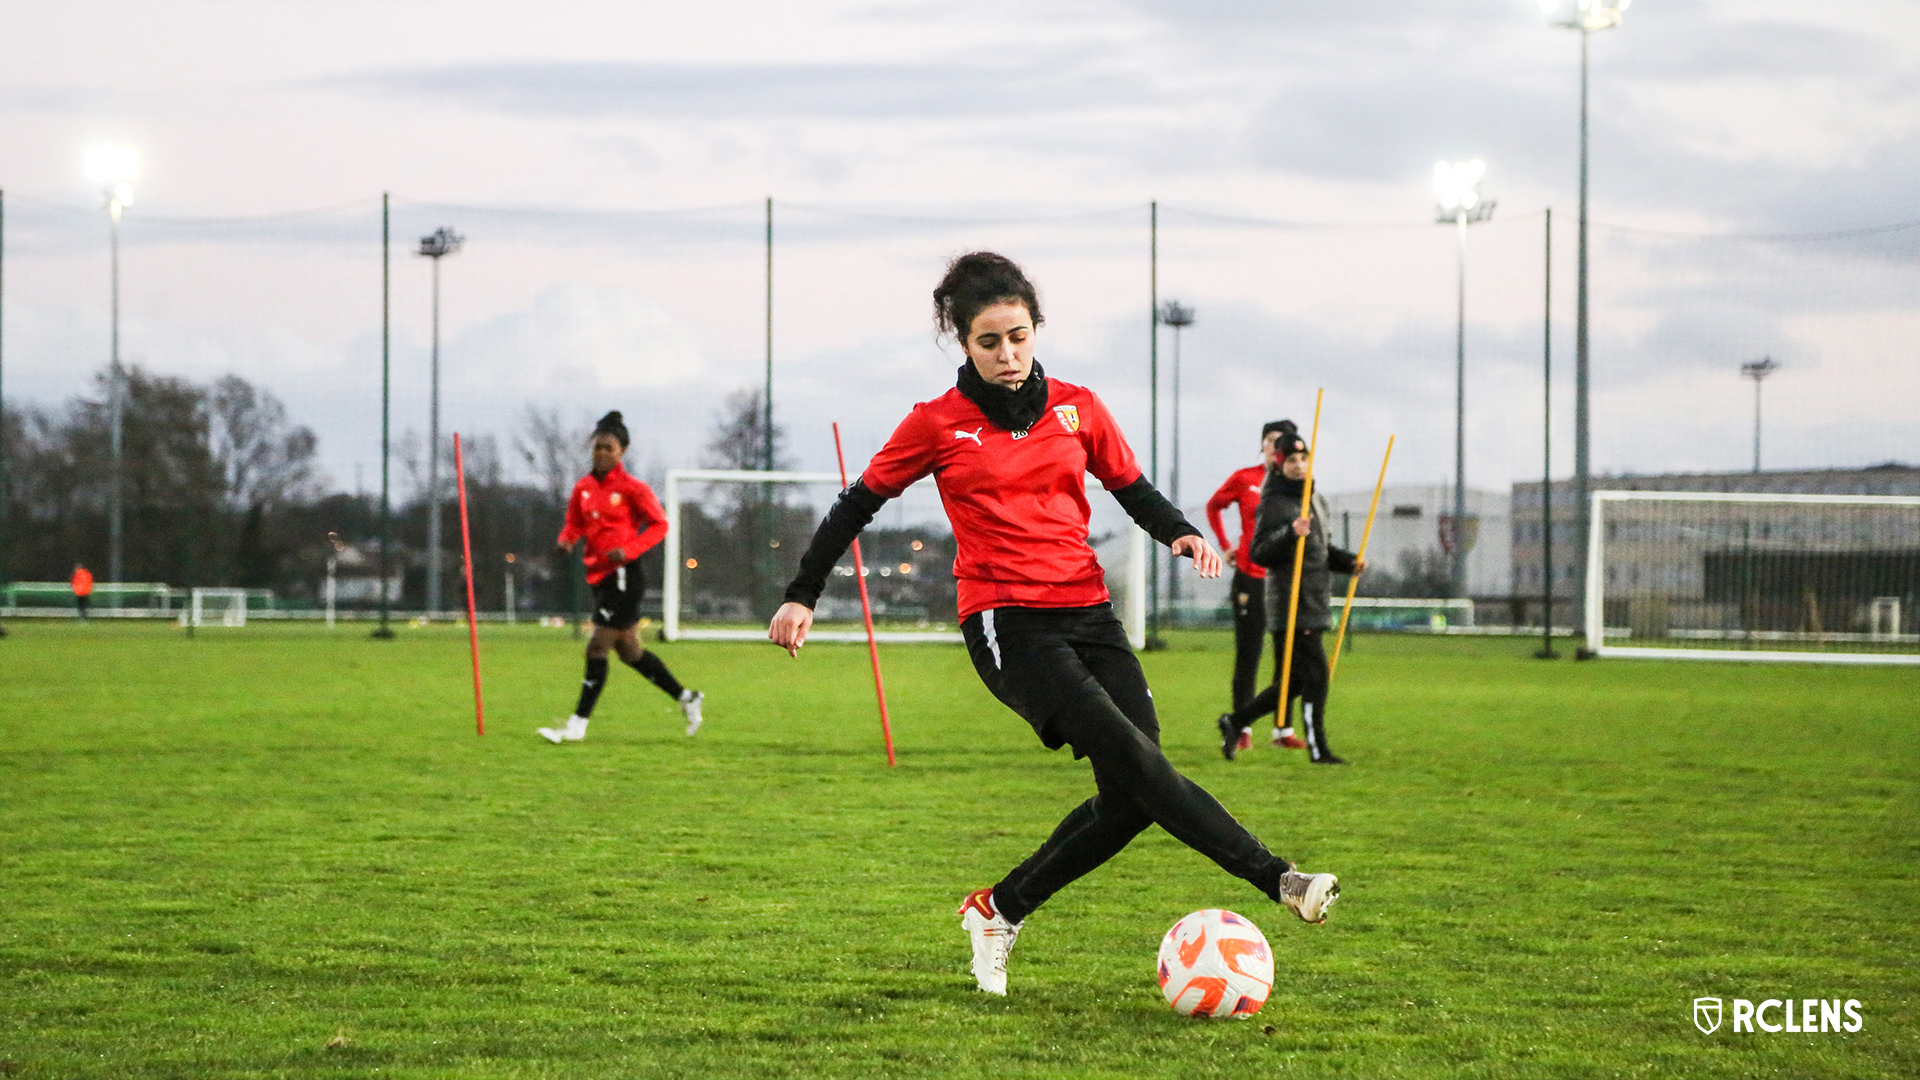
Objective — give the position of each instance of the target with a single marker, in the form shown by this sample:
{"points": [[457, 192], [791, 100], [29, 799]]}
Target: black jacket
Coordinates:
{"points": [[1273, 547]]}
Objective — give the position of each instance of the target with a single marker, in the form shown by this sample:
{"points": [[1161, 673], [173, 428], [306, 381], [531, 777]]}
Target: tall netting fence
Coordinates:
{"points": [[1802, 577], [252, 352]]}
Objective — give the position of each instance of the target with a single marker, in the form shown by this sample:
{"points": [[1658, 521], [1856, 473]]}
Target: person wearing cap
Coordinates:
{"points": [[619, 519], [1248, 590], [1280, 526]]}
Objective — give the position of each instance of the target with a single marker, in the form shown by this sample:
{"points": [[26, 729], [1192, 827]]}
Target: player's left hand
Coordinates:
{"points": [[1205, 559], [616, 557], [1359, 566]]}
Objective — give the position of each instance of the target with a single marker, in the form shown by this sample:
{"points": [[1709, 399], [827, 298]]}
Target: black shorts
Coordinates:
{"points": [[616, 598]]}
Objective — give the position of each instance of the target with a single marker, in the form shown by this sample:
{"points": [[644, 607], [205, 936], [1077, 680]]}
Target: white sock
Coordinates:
{"points": [[1286, 732]]}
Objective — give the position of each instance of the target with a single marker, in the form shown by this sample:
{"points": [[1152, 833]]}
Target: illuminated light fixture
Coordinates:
{"points": [[1456, 191], [693, 564], [1586, 15]]}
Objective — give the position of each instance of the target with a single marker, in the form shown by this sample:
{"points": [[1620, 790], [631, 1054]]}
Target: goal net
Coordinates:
{"points": [[734, 540], [1729, 576], [216, 607]]}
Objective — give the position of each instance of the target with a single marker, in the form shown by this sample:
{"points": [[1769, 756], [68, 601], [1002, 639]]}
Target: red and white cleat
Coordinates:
{"points": [[993, 938]]}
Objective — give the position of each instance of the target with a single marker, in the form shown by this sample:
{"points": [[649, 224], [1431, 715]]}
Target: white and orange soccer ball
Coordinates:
{"points": [[1215, 963]]}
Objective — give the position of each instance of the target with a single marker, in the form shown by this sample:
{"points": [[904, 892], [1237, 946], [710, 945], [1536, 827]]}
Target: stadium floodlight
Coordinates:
{"points": [[1758, 370], [1586, 16], [1458, 202], [436, 245], [114, 168], [1179, 316]]}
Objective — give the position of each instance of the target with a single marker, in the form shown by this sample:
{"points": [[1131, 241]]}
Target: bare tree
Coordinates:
{"points": [[740, 435], [551, 448], [264, 460]]}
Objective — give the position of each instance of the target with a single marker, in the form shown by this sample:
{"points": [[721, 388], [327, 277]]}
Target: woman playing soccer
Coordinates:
{"points": [[1009, 449], [1279, 529], [620, 520]]}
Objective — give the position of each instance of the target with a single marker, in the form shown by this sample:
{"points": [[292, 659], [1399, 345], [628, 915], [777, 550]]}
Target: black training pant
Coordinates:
{"points": [[1308, 683], [1249, 599], [1071, 674]]}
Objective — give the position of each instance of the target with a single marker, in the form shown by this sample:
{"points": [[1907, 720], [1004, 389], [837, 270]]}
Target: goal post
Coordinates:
{"points": [[1776, 578], [735, 537], [225, 607]]}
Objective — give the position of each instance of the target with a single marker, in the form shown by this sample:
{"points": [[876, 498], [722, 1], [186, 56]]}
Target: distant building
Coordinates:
{"points": [[1892, 478], [1408, 526]]}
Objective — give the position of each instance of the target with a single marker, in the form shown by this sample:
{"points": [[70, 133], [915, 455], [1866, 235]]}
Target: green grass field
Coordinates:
{"points": [[283, 852]]}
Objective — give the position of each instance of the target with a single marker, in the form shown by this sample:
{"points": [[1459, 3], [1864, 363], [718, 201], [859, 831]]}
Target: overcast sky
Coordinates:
{"points": [[1709, 116]]}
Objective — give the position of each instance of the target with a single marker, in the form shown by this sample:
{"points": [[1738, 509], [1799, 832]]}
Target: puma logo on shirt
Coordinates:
{"points": [[974, 435]]}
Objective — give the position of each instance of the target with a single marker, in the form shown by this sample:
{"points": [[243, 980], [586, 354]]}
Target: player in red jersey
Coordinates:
{"points": [[619, 519], [1248, 593], [1009, 449]]}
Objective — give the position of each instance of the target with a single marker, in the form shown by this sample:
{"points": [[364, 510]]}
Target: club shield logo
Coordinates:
{"points": [[1069, 416], [1706, 1014]]}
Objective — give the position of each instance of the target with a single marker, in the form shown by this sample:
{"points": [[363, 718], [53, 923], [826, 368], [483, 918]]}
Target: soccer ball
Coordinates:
{"points": [[1215, 963]]}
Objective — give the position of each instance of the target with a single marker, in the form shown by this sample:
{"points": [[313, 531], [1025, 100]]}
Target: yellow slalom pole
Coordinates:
{"points": [[1353, 582], [1299, 564]]}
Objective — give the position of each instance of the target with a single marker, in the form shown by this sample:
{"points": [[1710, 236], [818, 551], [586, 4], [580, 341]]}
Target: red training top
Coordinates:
{"points": [[1017, 500], [612, 511], [82, 581], [1242, 487]]}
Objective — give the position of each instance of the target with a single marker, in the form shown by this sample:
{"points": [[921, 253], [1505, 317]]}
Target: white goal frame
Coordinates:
{"points": [[1132, 603], [1596, 632], [234, 615]]}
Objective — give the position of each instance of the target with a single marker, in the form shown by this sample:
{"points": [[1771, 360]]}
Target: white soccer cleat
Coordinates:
{"points": [[576, 729], [1309, 895], [993, 938], [690, 708], [553, 735]]}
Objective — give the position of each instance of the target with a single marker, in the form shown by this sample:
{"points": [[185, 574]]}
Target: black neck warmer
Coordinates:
{"points": [[1288, 486], [1010, 410]]}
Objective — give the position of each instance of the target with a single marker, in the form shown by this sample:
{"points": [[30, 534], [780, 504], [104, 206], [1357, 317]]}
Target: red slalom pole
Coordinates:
{"points": [[466, 552], [866, 612]]}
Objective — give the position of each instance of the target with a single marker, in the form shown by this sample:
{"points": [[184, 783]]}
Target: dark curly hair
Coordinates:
{"points": [[612, 424], [977, 281]]}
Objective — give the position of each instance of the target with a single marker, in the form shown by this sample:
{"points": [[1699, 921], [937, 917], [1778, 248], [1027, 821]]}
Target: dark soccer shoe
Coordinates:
{"points": [[1229, 735]]}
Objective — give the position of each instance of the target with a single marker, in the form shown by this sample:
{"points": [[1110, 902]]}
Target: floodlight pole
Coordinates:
{"points": [[5, 491], [1758, 370], [436, 245], [1546, 453], [116, 409], [386, 397], [767, 420], [1153, 407], [1460, 205], [1178, 316], [1587, 17]]}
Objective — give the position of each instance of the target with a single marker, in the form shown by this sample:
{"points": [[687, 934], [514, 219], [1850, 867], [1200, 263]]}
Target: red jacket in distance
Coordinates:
{"points": [[1242, 488], [612, 511], [1017, 500], [82, 581]]}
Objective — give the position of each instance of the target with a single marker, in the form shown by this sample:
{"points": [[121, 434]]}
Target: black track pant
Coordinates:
{"points": [[1309, 684], [1071, 674], [1249, 598]]}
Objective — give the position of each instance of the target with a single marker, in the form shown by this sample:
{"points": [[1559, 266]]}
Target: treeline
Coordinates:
{"points": [[220, 487]]}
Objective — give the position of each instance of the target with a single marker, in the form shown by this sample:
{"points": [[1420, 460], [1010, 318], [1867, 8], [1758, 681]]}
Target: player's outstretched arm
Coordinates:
{"points": [[790, 626], [1206, 560]]}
